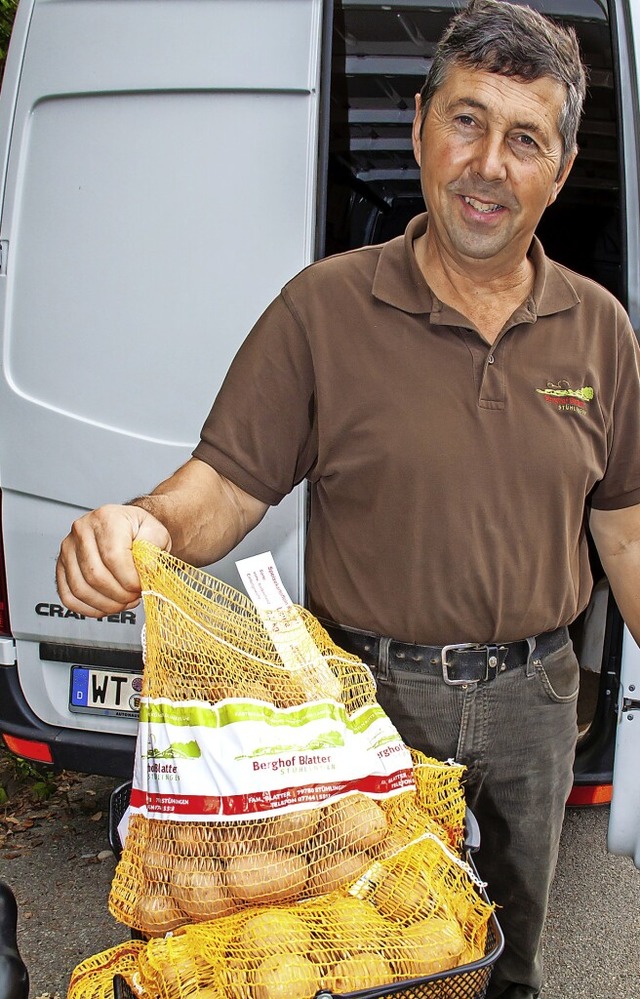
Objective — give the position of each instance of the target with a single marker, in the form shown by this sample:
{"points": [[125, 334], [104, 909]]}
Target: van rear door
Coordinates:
{"points": [[159, 170], [624, 821]]}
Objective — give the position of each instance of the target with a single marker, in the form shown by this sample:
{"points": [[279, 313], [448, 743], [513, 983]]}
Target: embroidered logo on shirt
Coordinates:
{"points": [[566, 399]]}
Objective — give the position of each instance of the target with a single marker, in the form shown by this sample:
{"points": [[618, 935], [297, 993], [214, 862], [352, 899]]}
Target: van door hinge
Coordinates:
{"points": [[4, 253], [7, 652], [630, 704]]}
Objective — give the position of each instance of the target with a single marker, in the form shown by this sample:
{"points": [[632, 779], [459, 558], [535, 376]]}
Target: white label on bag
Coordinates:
{"points": [[245, 759], [241, 759], [284, 624]]}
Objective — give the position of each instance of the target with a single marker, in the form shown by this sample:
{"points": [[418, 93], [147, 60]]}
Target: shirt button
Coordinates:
{"points": [[491, 359]]}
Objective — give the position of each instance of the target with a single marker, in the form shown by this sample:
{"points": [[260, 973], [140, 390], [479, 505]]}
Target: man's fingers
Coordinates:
{"points": [[96, 573], [86, 585], [94, 603]]}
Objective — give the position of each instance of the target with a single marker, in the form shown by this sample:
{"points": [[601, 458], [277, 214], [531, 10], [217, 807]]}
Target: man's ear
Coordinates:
{"points": [[559, 183], [416, 131]]}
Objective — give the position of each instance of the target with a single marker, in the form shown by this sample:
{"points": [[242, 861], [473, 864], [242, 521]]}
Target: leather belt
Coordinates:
{"points": [[457, 664]]}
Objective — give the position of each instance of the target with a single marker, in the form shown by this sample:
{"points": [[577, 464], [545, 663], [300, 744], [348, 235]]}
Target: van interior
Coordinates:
{"points": [[381, 53]]}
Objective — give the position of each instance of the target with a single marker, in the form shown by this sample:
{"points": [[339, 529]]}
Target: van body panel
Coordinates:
{"points": [[138, 249], [627, 26], [624, 822]]}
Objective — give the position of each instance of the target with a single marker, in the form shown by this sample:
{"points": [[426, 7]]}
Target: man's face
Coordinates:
{"points": [[489, 156]]}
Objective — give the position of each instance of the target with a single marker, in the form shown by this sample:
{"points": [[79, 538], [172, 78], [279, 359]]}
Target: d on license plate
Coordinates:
{"points": [[105, 691]]}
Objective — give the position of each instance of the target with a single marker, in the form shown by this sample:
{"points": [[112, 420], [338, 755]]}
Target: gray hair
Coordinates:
{"points": [[500, 37]]}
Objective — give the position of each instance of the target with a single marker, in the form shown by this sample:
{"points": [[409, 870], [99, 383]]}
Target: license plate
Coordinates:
{"points": [[105, 691]]}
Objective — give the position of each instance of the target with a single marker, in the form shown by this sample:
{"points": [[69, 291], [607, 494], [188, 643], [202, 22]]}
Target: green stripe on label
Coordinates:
{"points": [[232, 712]]}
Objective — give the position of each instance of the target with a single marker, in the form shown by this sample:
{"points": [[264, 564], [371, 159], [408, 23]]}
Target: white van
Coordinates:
{"points": [[165, 168]]}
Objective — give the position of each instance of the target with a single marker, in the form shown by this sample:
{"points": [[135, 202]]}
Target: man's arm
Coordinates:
{"points": [[617, 537], [196, 514]]}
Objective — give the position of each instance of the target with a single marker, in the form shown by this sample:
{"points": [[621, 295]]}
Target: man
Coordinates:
{"points": [[459, 405]]}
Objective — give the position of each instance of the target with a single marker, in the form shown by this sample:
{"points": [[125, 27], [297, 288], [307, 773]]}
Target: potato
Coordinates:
{"points": [[222, 688], [155, 866], [292, 830], [202, 894], [183, 968], [395, 841], [285, 976], [283, 691], [404, 894], [350, 927], [333, 871], [235, 981], [269, 876], [274, 931], [353, 926], [157, 914], [355, 823], [361, 971], [471, 954], [426, 948], [192, 839], [237, 839]]}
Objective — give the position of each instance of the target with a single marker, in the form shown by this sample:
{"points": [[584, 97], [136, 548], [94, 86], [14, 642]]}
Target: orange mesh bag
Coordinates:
{"points": [[354, 938], [93, 978], [411, 916], [266, 773]]}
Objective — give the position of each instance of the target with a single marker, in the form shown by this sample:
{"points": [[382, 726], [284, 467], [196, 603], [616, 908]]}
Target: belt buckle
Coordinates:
{"points": [[491, 662]]}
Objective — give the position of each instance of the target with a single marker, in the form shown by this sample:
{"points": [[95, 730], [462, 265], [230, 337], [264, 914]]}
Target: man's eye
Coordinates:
{"points": [[465, 119], [526, 140]]}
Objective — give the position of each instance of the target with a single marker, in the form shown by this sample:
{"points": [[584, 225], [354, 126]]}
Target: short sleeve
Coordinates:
{"points": [[620, 485], [261, 432]]}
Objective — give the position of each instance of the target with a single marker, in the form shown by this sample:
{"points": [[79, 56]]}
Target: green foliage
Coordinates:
{"points": [[19, 775], [43, 789], [7, 14], [25, 769]]}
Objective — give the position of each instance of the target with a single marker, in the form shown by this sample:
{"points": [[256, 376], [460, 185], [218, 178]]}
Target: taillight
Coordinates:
{"points": [[590, 794], [5, 627], [31, 749]]}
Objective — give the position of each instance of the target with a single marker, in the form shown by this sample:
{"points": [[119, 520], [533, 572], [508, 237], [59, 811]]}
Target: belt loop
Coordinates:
{"points": [[383, 658], [530, 669]]}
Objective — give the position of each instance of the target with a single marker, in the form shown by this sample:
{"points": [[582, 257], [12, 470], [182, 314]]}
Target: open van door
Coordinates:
{"points": [[624, 822], [158, 170]]}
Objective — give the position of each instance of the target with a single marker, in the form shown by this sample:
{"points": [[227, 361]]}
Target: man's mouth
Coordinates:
{"points": [[481, 206]]}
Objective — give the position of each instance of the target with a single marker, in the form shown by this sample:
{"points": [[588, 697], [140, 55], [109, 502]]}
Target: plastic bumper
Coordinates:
{"points": [[71, 749]]}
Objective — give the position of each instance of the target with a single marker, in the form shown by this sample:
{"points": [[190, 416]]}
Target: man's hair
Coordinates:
{"points": [[500, 37]]}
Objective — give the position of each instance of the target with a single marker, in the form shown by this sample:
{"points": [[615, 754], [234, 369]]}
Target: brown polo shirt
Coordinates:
{"points": [[448, 478]]}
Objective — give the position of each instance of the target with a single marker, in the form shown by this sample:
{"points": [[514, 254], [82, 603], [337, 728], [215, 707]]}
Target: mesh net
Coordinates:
{"points": [[282, 838], [171, 873], [411, 916], [93, 978], [214, 675]]}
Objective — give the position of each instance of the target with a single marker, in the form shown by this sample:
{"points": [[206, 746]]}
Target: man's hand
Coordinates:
{"points": [[95, 573], [196, 513]]}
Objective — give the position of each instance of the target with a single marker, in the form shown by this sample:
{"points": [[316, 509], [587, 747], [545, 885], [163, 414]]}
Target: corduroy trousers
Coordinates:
{"points": [[516, 735]]}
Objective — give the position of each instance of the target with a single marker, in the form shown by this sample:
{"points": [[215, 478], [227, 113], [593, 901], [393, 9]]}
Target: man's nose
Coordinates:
{"points": [[490, 159]]}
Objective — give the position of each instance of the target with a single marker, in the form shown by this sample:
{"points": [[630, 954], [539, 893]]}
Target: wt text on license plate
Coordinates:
{"points": [[104, 691]]}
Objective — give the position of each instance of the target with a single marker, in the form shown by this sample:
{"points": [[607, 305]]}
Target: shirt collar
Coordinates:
{"points": [[399, 282]]}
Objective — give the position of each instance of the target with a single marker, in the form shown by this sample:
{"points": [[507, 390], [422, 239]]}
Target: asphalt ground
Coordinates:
{"points": [[60, 868]]}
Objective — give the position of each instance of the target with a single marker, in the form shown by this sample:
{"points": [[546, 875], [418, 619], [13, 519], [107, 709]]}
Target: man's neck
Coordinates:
{"points": [[486, 291]]}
